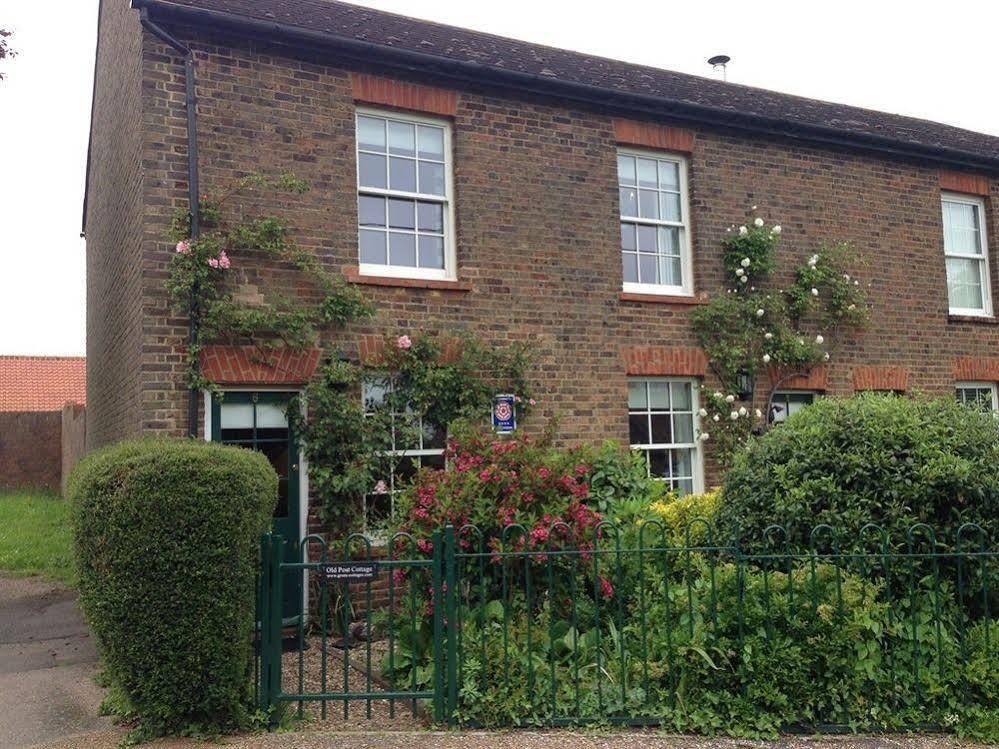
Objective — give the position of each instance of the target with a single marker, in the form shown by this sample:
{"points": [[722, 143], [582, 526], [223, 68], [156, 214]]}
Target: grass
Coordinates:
{"points": [[35, 538]]}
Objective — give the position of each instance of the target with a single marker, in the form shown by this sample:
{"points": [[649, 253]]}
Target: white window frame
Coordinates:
{"points": [[393, 455], [686, 287], [990, 386], [695, 446], [770, 419], [449, 271], [983, 259]]}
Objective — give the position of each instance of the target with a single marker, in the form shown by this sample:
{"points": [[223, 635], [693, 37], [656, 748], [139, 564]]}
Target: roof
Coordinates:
{"points": [[42, 383], [387, 38]]}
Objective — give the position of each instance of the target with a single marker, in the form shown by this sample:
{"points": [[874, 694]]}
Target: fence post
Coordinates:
{"points": [[451, 623], [436, 586], [270, 628], [263, 618]]}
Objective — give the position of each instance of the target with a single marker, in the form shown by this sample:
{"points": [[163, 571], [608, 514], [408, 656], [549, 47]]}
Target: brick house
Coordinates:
{"points": [[42, 420], [513, 168]]}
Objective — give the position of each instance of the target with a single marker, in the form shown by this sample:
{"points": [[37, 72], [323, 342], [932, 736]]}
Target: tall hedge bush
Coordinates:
{"points": [[889, 460], [166, 534]]}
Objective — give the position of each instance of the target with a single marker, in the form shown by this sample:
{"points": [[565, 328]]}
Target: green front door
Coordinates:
{"points": [[259, 421]]}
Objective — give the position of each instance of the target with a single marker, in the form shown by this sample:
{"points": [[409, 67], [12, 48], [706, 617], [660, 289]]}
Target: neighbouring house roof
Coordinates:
{"points": [[42, 383], [394, 40]]}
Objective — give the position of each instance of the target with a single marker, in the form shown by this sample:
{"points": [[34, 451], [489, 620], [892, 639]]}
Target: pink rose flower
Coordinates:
{"points": [[533, 402], [380, 488], [404, 342], [184, 247], [213, 262], [606, 589], [224, 261]]}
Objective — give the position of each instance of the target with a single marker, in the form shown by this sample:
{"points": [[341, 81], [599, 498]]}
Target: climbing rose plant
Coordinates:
{"points": [[757, 326], [208, 276]]}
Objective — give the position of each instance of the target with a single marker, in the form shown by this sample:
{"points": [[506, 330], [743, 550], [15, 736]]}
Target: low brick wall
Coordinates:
{"points": [[31, 450]]}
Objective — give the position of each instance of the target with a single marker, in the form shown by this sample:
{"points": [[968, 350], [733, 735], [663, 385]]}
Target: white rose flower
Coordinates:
{"points": [[743, 411], [740, 272], [819, 339], [743, 279], [813, 260], [852, 307], [730, 399], [753, 208], [744, 262], [826, 357], [702, 412], [758, 222], [766, 358], [856, 283], [815, 292], [758, 413], [715, 417], [768, 336], [717, 394], [743, 230], [776, 229], [729, 229], [760, 312], [734, 415], [704, 436], [846, 276]]}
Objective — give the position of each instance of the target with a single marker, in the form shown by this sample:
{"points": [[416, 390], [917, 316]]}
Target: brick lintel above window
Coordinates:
{"points": [[881, 378], [664, 361], [414, 97], [969, 184], [653, 135], [251, 365]]}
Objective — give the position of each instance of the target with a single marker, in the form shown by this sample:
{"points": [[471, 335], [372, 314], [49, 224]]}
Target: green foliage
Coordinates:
{"points": [[431, 383], [35, 537], [205, 272], [874, 458], [754, 327], [689, 519], [166, 535]]}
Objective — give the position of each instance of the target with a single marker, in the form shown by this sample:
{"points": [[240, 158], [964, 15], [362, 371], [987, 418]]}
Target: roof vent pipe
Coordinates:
{"points": [[719, 65]]}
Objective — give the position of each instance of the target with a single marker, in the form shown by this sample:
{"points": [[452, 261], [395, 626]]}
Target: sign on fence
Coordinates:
{"points": [[505, 414], [351, 572]]}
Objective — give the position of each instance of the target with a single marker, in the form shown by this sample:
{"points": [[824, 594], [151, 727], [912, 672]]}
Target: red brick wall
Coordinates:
{"points": [[114, 230], [31, 450], [537, 227]]}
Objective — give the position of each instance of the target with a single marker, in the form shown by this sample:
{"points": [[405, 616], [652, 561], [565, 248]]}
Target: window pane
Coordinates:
{"points": [[658, 464], [433, 461], [636, 395], [371, 134], [628, 237], [638, 429], [669, 240], [648, 204], [669, 206], [626, 170], [236, 415], [433, 436], [647, 173], [271, 416], [402, 214], [661, 432], [630, 267], [961, 229], [683, 429], [669, 175], [372, 246], [647, 238], [371, 170], [669, 271], [431, 142], [431, 178], [659, 396], [683, 466], [648, 269], [402, 174], [964, 283], [431, 252], [629, 201], [401, 139], [402, 249], [430, 217], [373, 394], [681, 396], [370, 210]]}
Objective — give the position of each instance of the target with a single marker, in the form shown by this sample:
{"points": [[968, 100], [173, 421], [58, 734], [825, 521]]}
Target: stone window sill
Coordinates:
{"points": [[628, 296], [973, 319], [352, 275]]}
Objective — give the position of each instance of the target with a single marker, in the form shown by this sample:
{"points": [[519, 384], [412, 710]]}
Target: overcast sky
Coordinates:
{"points": [[899, 56]]}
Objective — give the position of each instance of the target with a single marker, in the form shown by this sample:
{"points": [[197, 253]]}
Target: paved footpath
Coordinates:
{"points": [[47, 665]]}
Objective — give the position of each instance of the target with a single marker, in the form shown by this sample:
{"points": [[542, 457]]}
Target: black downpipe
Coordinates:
{"points": [[191, 102]]}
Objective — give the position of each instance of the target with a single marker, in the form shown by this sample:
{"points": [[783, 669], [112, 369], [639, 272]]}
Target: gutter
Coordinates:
{"points": [[191, 104], [299, 38]]}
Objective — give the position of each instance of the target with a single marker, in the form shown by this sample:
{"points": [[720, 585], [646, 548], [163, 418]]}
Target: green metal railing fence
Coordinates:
{"points": [[639, 625]]}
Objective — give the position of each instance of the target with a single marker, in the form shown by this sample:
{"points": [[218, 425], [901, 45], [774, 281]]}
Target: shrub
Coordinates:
{"points": [[166, 535], [882, 459], [682, 516]]}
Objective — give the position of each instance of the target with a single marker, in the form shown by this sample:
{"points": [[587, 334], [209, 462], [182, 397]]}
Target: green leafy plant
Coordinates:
{"points": [[207, 276], [756, 327], [166, 534]]}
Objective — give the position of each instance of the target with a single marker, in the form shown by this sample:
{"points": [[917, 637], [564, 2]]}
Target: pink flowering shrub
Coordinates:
{"points": [[496, 483]]}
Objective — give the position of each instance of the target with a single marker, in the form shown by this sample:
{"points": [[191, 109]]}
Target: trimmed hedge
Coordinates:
{"points": [[166, 534], [873, 458]]}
